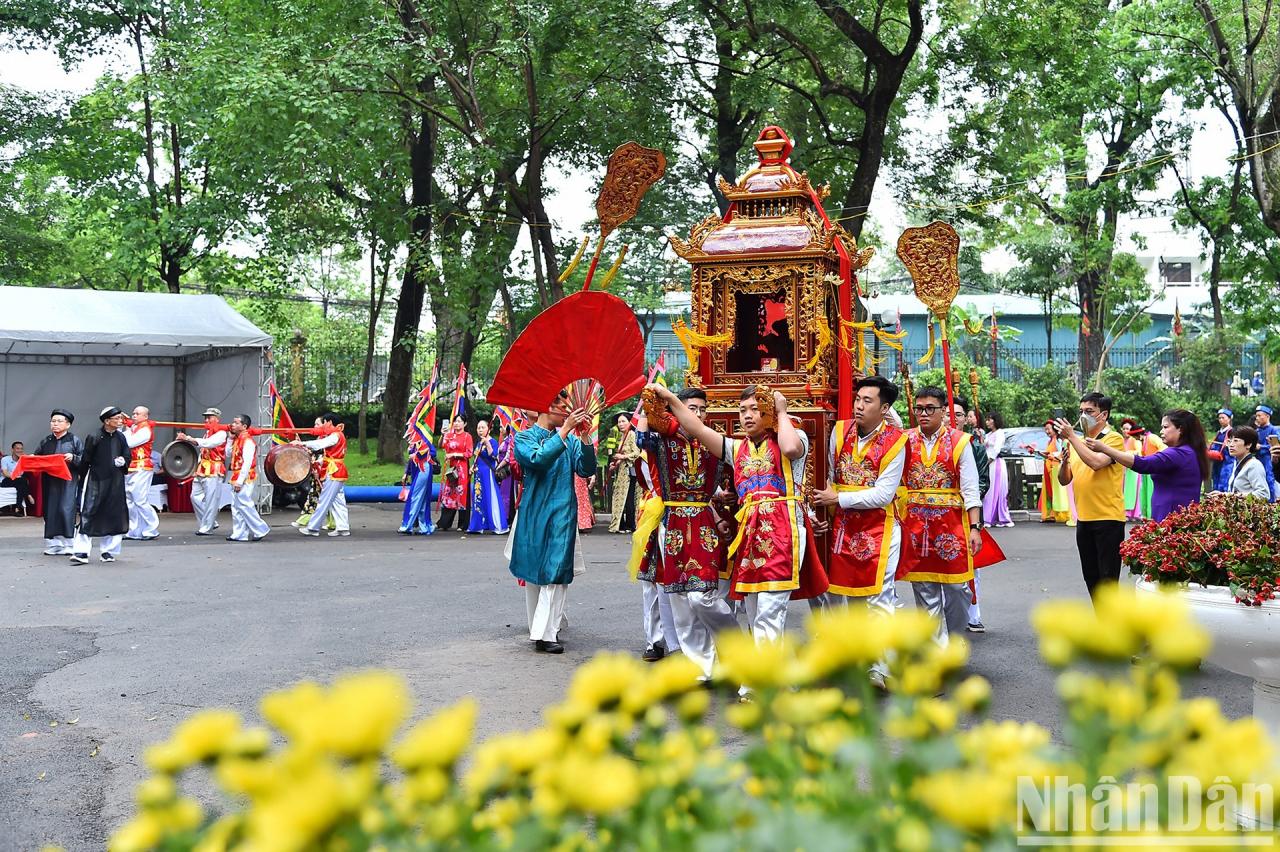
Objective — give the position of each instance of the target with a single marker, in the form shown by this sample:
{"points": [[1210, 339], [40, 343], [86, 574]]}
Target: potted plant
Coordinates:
{"points": [[1222, 556]]}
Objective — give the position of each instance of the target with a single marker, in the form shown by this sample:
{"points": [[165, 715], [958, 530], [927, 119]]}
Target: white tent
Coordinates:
{"points": [[83, 350]]}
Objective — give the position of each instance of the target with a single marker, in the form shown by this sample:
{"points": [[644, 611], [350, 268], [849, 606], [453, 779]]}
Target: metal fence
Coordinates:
{"points": [[1014, 361]]}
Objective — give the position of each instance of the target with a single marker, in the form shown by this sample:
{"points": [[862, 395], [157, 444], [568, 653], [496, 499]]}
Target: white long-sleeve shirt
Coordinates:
{"points": [[216, 439], [882, 491], [136, 437], [968, 471], [321, 443]]}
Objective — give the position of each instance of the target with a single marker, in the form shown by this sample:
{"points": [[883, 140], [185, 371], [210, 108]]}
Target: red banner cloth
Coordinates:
{"points": [[990, 554], [52, 465]]}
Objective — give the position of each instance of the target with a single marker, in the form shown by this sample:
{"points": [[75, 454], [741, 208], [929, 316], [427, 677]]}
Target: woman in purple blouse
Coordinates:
{"points": [[1178, 472]]}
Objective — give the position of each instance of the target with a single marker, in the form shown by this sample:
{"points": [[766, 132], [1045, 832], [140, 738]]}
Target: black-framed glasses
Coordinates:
{"points": [[926, 410]]}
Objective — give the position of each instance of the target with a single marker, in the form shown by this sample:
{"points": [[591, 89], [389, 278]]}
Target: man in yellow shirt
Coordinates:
{"points": [[1099, 491]]}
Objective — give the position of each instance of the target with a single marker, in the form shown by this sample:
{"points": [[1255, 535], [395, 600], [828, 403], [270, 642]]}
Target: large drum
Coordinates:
{"points": [[179, 460], [287, 465]]}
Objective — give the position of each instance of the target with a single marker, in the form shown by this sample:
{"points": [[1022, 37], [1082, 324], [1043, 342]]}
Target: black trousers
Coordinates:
{"points": [[447, 515], [1099, 546], [22, 487]]}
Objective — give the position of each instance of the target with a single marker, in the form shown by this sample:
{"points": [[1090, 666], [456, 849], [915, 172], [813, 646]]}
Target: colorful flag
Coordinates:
{"points": [[512, 418], [421, 427], [460, 395], [1177, 320], [280, 418]]}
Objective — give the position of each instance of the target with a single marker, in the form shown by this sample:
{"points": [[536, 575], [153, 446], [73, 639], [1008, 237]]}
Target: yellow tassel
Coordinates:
{"points": [[824, 343], [613, 270], [933, 342], [970, 327], [573, 264], [892, 339], [646, 525]]}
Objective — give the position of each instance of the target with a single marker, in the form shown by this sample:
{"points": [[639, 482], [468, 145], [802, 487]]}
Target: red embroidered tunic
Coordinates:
{"points": [[692, 554], [332, 463], [766, 555], [935, 530], [140, 456], [860, 538], [213, 459], [236, 461]]}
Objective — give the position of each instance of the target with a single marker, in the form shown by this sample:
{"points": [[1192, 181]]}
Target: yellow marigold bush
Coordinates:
{"points": [[648, 757]]}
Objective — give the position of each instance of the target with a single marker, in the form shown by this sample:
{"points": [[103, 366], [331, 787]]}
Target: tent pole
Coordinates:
{"points": [[179, 389]]}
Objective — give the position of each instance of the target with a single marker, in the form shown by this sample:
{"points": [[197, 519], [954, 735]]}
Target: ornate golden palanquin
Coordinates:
{"points": [[771, 281]]}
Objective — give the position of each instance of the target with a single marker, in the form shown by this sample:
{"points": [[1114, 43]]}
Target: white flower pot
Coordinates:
{"points": [[1246, 641]]}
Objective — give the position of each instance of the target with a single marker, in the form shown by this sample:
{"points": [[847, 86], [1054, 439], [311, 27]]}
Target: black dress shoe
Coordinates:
{"points": [[654, 653], [548, 647]]}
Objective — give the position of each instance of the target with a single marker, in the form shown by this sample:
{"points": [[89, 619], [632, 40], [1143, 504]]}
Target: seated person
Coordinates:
{"points": [[19, 484]]}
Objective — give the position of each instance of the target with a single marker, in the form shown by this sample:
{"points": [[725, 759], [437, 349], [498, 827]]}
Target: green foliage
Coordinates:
{"points": [[1027, 402]]}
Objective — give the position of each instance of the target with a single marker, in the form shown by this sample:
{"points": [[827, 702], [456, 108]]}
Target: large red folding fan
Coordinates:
{"points": [[588, 335]]}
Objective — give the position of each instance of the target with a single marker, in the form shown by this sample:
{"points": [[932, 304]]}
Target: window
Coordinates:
{"points": [[1176, 271]]}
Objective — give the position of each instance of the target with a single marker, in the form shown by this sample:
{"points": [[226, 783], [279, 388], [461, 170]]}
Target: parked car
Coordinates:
{"points": [[1016, 439]]}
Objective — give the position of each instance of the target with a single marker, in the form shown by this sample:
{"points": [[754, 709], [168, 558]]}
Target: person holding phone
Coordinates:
{"points": [[1178, 472], [1099, 490]]}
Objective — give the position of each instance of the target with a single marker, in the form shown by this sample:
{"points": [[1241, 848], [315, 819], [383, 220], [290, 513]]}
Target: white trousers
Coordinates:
{"points": [[975, 614], [659, 626], [333, 501], [143, 520], [83, 545], [246, 523], [947, 602], [60, 543], [545, 606], [767, 615], [699, 617], [206, 494]]}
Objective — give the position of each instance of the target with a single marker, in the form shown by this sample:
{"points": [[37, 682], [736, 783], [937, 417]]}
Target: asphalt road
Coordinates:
{"points": [[97, 661]]}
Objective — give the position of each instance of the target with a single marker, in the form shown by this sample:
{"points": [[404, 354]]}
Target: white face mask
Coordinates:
{"points": [[1088, 422]]}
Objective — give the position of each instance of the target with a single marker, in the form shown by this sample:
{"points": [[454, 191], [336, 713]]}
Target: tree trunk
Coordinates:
{"points": [[1093, 333], [404, 340]]}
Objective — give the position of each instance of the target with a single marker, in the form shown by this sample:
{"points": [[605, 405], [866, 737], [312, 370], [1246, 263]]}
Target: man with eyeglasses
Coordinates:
{"points": [[943, 517], [1099, 491]]}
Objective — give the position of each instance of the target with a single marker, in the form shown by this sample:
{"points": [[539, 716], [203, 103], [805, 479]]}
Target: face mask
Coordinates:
{"points": [[1088, 422]]}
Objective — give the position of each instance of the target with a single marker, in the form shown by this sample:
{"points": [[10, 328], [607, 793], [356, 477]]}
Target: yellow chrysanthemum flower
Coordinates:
{"points": [[601, 682], [140, 834], [763, 665], [440, 739]]}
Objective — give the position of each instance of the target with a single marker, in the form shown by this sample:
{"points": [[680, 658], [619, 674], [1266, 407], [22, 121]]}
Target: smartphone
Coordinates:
{"points": [[1273, 440], [1059, 414]]}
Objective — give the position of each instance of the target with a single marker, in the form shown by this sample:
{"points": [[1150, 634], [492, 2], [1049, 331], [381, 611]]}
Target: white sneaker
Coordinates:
{"points": [[306, 531], [55, 551], [339, 533]]}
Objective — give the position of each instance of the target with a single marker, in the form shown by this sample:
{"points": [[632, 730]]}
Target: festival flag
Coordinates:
{"points": [[422, 422], [658, 374], [280, 418], [1177, 320], [1086, 324], [460, 395], [512, 418]]}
